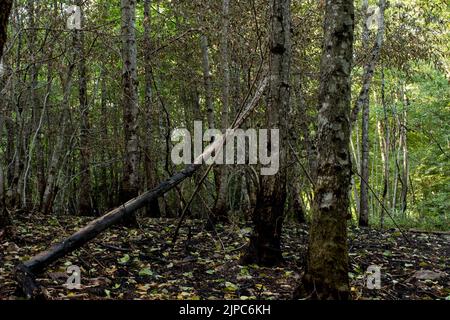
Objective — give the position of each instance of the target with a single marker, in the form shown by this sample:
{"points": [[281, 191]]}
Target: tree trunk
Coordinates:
{"points": [[41, 179], [5, 219], [150, 161], [130, 179], [18, 126], [326, 275], [265, 242], [297, 202], [85, 201], [33, 102], [220, 207], [55, 162], [404, 143], [298, 110], [384, 147], [365, 102], [208, 95], [369, 68], [5, 9], [364, 188], [207, 81]]}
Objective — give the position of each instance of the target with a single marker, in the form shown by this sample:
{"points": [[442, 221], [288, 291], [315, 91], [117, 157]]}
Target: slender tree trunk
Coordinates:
{"points": [[150, 161], [384, 147], [41, 178], [9, 156], [365, 102], [33, 100], [130, 179], [326, 275], [404, 143], [5, 219], [5, 9], [309, 143], [209, 96], [220, 207], [298, 207], [58, 150], [85, 201], [108, 195], [18, 127], [369, 68], [355, 164], [364, 188], [251, 191], [265, 242], [298, 110], [207, 81], [395, 187]]}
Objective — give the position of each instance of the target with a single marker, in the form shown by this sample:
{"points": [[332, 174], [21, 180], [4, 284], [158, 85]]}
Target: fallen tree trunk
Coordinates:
{"points": [[94, 228], [25, 273]]}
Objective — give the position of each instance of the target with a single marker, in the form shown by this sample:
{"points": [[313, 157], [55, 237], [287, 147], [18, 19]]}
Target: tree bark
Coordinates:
{"points": [[5, 9], [326, 275], [207, 81], [55, 162], [405, 162], [33, 101], [150, 161], [365, 102], [85, 201], [220, 209], [297, 202], [130, 179], [265, 243], [383, 132], [369, 68]]}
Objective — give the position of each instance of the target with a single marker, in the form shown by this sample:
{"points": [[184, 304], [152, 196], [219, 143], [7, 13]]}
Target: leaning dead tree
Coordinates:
{"points": [[26, 272]]}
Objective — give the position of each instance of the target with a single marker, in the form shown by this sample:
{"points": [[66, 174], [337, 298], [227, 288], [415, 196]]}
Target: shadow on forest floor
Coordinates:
{"points": [[141, 263]]}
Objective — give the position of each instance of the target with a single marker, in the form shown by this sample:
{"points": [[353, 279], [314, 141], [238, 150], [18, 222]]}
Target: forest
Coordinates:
{"points": [[224, 150]]}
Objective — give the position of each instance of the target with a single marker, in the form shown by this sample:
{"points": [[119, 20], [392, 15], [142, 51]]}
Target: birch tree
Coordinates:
{"points": [[363, 103]]}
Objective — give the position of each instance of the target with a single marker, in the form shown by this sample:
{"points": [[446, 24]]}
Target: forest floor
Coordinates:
{"points": [[141, 263]]}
